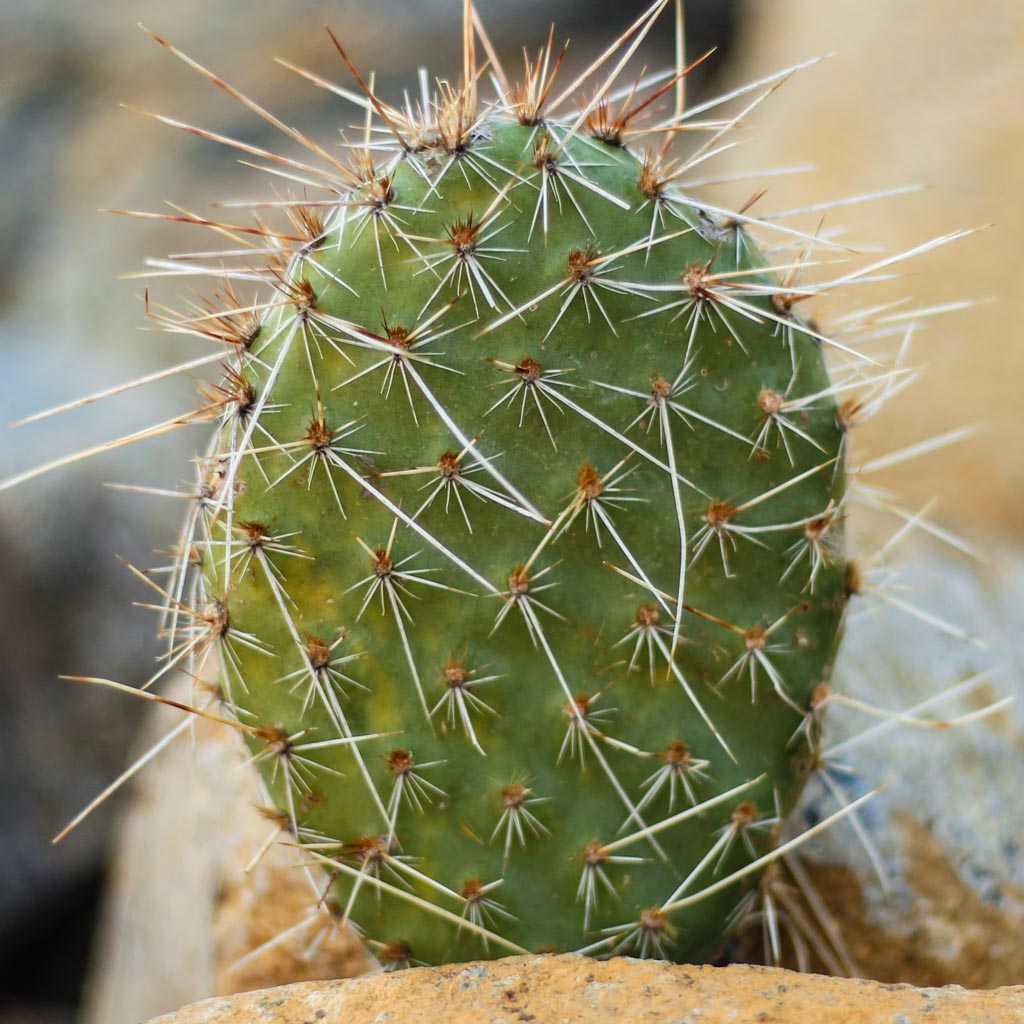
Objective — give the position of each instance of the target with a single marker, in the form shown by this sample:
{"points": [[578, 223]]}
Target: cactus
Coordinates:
{"points": [[517, 399], [519, 542]]}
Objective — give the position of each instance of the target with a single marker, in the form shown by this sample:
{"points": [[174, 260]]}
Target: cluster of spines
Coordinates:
{"points": [[437, 138]]}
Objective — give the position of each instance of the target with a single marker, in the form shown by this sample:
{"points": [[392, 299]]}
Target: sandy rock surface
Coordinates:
{"points": [[574, 989]]}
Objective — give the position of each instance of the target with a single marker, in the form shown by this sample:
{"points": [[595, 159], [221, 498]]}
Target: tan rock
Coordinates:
{"points": [[913, 93], [575, 990]]}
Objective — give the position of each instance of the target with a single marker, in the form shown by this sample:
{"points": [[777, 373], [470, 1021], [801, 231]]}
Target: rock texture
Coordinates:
{"points": [[576, 990]]}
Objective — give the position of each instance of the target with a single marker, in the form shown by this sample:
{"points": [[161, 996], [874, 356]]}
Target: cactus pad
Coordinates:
{"points": [[518, 544]]}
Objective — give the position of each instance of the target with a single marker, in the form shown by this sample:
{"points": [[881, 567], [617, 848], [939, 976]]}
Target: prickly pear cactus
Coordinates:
{"points": [[518, 543]]}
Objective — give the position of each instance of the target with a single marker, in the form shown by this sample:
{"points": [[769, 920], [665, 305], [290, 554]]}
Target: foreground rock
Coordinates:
{"points": [[574, 989]]}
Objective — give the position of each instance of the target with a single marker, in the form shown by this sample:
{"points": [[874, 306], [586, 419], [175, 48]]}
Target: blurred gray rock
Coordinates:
{"points": [[948, 828]]}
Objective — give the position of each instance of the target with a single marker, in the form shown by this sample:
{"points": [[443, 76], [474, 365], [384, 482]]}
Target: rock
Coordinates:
{"points": [[549, 989], [926, 94], [947, 830]]}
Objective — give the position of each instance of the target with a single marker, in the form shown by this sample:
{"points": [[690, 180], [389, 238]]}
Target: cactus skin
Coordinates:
{"points": [[434, 612]]}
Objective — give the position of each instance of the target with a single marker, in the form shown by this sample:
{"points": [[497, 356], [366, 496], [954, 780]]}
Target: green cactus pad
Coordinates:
{"points": [[520, 543]]}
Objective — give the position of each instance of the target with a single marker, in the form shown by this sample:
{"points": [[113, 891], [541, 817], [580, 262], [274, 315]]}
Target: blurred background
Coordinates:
{"points": [[913, 93]]}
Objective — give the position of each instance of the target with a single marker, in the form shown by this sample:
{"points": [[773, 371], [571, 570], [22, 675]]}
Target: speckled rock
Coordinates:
{"points": [[575, 990], [947, 831]]}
